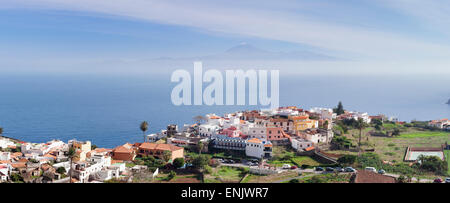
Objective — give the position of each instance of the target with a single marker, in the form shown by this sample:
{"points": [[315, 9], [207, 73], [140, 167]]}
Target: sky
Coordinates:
{"points": [[130, 36]]}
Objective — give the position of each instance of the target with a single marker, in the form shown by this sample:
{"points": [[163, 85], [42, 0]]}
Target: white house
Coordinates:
{"points": [[5, 170], [84, 169], [325, 113], [5, 143], [441, 124], [208, 130], [300, 144], [41, 149], [317, 135], [258, 148], [5, 156]]}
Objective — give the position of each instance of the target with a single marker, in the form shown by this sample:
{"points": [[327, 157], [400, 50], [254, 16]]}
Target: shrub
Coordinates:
{"points": [[347, 159], [171, 175], [294, 181], [61, 170], [208, 170], [178, 162]]}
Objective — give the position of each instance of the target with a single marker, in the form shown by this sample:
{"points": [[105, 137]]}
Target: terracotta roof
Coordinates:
{"points": [[255, 140], [371, 177], [126, 148], [164, 147], [23, 160], [19, 165], [101, 150]]}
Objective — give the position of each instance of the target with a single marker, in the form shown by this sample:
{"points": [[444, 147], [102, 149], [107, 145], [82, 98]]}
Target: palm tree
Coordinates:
{"points": [[325, 126], [144, 128], [72, 154], [200, 146], [360, 124], [1, 131]]}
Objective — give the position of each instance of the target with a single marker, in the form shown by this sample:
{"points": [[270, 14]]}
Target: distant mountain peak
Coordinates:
{"points": [[245, 48], [245, 51]]}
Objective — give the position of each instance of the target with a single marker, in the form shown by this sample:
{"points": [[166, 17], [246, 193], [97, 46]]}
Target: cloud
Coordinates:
{"points": [[250, 18], [433, 15]]}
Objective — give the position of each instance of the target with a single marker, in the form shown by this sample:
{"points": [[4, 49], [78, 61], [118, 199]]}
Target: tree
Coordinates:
{"points": [[396, 132], [17, 178], [200, 146], [208, 170], [360, 124], [339, 110], [200, 161], [347, 159], [178, 162], [325, 126], [433, 164], [1, 130], [167, 156], [144, 128], [171, 175], [61, 170], [72, 154], [93, 147], [401, 179]]}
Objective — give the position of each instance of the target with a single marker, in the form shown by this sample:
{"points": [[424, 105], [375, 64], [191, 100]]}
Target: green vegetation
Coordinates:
{"points": [[130, 164], [373, 160], [326, 178], [200, 161], [339, 110], [61, 170], [447, 157], [285, 155], [341, 142], [178, 162], [144, 128], [151, 162], [432, 164], [385, 141], [424, 134], [225, 174], [302, 161], [171, 175]]}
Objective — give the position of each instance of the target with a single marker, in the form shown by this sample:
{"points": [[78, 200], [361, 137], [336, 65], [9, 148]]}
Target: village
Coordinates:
{"points": [[282, 145]]}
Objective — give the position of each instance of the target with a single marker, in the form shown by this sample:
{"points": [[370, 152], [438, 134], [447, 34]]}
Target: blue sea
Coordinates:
{"points": [[108, 109]]}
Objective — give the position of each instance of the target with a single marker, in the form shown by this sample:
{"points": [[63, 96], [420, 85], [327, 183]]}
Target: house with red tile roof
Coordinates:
{"points": [[157, 150], [124, 152], [441, 124]]}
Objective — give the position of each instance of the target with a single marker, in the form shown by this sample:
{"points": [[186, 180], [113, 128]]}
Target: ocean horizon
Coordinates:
{"points": [[107, 110]]}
